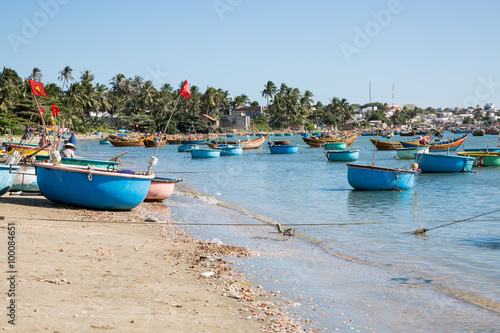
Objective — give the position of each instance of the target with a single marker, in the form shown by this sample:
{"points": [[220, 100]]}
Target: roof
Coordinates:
{"points": [[208, 117]]}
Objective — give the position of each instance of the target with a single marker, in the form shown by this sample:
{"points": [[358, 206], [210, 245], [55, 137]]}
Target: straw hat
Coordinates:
{"points": [[70, 145]]}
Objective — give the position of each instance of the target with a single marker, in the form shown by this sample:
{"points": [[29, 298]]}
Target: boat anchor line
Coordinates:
{"points": [[422, 231]]}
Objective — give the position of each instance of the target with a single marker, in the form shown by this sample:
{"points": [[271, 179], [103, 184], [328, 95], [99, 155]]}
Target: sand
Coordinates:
{"points": [[82, 271]]}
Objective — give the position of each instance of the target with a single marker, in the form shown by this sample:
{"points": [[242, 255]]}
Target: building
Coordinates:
{"points": [[238, 121], [250, 111]]}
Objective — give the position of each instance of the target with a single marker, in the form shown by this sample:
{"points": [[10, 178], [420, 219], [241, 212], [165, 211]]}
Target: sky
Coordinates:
{"points": [[434, 53]]}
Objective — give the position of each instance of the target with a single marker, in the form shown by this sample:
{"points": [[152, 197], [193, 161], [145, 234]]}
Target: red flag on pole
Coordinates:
{"points": [[37, 88], [41, 111], [55, 110], [185, 92]]}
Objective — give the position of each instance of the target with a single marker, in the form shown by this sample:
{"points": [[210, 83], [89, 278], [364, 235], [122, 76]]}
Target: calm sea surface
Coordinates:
{"points": [[447, 280]]}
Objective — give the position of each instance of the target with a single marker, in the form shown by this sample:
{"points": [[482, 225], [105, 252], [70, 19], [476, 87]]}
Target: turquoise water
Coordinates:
{"points": [[459, 265]]}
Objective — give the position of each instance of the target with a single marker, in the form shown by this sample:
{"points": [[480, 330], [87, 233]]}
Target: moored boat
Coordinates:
{"points": [[136, 142], [335, 146], [409, 153], [205, 153], [153, 142], [386, 145], [482, 158], [161, 189], [247, 144], [367, 177], [187, 147], [449, 145], [428, 162], [484, 150], [227, 149], [342, 155], [92, 188], [478, 132], [316, 142], [283, 149], [7, 177]]}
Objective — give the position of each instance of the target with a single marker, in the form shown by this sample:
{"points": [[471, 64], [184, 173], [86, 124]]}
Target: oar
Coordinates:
{"points": [[37, 151], [116, 157]]}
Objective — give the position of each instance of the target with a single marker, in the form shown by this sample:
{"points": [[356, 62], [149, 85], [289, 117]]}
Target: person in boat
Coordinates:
{"points": [[68, 150]]}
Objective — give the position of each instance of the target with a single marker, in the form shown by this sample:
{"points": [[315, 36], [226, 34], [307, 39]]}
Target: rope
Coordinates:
{"points": [[91, 169], [421, 231]]}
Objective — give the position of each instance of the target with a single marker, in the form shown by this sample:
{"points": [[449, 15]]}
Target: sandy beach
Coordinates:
{"points": [[79, 271]]}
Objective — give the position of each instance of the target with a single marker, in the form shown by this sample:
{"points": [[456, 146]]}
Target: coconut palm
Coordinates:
{"points": [[87, 76], [65, 76], [269, 91], [36, 74]]}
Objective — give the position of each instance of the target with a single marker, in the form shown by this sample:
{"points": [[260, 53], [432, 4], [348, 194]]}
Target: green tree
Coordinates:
{"points": [[65, 76]]}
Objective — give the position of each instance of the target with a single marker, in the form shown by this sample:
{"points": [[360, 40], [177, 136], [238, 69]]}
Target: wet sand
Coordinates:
{"points": [[79, 271]]}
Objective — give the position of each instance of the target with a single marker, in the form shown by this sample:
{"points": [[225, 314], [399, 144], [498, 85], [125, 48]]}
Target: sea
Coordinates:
{"points": [[353, 262]]}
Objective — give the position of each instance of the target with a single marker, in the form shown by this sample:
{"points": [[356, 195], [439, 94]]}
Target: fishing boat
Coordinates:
{"points": [[25, 180], [7, 176], [153, 142], [335, 146], [484, 150], [368, 177], [443, 163], [247, 144], [409, 153], [25, 149], [386, 145], [283, 149], [316, 142], [126, 142], [342, 155], [483, 158], [449, 145], [109, 165], [161, 189], [92, 188], [104, 142], [409, 133], [187, 147], [227, 149], [478, 132], [205, 153]]}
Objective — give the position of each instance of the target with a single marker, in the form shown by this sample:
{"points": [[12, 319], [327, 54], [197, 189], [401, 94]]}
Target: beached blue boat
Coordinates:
{"points": [[227, 149], [187, 147], [443, 163], [25, 180], [367, 177], [335, 146], [342, 155], [92, 188], [7, 176], [205, 153], [284, 149]]}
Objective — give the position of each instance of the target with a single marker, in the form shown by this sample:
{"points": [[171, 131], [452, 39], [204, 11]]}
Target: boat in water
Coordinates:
{"points": [[187, 148], [316, 142], [429, 162], [254, 143], [343, 155], [205, 153], [335, 146], [449, 145], [92, 188], [409, 153], [483, 158], [283, 149], [228, 149], [367, 177]]}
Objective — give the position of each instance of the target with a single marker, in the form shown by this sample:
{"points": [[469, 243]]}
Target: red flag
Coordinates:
{"points": [[55, 110], [185, 92], [41, 111], [37, 88]]}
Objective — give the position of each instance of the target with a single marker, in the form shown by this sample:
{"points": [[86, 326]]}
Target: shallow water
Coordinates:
{"points": [[401, 276]]}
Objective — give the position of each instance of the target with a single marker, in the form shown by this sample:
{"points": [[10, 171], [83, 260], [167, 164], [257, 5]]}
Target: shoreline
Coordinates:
{"points": [[79, 269]]}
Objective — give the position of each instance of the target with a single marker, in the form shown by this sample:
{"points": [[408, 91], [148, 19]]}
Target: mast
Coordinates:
{"points": [[393, 96], [370, 91]]}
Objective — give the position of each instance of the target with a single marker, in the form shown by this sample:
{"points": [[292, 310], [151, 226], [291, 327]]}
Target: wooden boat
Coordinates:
{"points": [[342, 155], [460, 131], [194, 140], [7, 176], [484, 150], [482, 158], [492, 131], [127, 142], [92, 188], [450, 145], [25, 180], [443, 163], [187, 147], [248, 144], [109, 165], [227, 149], [367, 177], [478, 132], [320, 142], [409, 153], [335, 146], [284, 149], [25, 149], [161, 189], [205, 153], [386, 145], [409, 133], [153, 142]]}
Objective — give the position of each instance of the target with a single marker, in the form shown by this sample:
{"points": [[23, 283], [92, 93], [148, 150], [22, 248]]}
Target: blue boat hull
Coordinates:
{"points": [[443, 163], [483, 150], [187, 147], [231, 151], [99, 190], [104, 142], [7, 178], [205, 153], [366, 177], [343, 155], [283, 149]]}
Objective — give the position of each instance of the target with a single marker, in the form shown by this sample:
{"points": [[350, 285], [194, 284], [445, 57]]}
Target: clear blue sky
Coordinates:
{"points": [[435, 53]]}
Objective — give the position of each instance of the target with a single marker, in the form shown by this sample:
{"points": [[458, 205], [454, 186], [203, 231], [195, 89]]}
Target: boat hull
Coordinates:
{"points": [[187, 147], [320, 142], [282, 149], [383, 145], [451, 145], [483, 159], [161, 189], [104, 142], [205, 153], [109, 165], [154, 143], [335, 146], [92, 189], [25, 180], [7, 176], [366, 177], [443, 163], [228, 150], [409, 153], [343, 155]]}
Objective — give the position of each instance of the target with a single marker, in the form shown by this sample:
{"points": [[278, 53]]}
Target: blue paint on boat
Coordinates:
{"points": [[483, 150], [335, 146], [205, 153], [443, 163], [227, 149], [367, 177], [104, 142], [92, 189], [7, 176], [343, 155], [187, 147], [284, 149]]}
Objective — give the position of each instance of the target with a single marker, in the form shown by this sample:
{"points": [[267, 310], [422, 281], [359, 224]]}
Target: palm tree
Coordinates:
{"points": [[10, 88], [87, 77], [36, 75], [65, 76], [269, 91]]}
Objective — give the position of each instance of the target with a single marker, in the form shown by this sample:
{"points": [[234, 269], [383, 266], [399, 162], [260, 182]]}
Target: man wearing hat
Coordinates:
{"points": [[68, 150]]}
